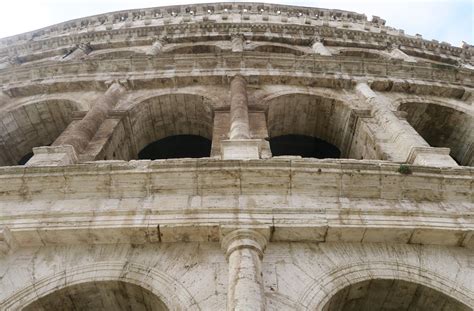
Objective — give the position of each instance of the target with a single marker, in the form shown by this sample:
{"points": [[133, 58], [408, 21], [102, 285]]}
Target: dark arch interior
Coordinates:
{"points": [[304, 146], [178, 146], [102, 295], [387, 295], [278, 49], [197, 49], [443, 127], [25, 158]]}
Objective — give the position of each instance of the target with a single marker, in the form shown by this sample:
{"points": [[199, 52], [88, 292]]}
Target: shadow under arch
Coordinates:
{"points": [[443, 126], [169, 291], [317, 294], [312, 115], [278, 48], [34, 124], [158, 117], [116, 53]]}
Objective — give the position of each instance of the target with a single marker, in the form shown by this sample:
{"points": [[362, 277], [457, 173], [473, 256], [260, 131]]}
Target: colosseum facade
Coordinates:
{"points": [[235, 156]]}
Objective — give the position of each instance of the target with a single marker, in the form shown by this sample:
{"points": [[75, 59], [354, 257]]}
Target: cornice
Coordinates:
{"points": [[142, 22]]}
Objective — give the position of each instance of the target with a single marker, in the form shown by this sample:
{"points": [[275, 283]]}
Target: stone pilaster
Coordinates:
{"points": [[238, 42], [240, 145], [244, 251], [157, 47], [413, 148], [77, 136], [319, 48]]}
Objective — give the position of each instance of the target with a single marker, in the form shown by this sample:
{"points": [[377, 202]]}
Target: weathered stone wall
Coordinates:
{"points": [[85, 224]]}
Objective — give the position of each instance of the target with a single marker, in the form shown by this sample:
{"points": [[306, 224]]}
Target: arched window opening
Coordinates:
{"points": [[102, 295], [442, 126], [312, 126], [361, 54], [32, 125], [196, 49], [278, 49], [304, 146], [177, 146], [386, 294]]}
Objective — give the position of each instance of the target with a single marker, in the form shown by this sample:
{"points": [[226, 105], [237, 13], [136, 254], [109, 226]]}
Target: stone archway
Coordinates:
{"points": [[102, 295], [31, 125], [443, 126], [168, 291], [391, 294], [158, 117], [318, 295], [311, 115]]}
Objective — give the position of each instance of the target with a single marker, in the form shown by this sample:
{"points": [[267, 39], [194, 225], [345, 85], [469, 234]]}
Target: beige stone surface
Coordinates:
{"points": [[87, 225]]}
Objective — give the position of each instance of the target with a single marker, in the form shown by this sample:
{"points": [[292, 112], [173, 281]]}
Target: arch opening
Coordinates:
{"points": [[173, 118], [304, 146], [177, 146], [281, 49], [443, 126], [310, 126], [99, 295], [391, 294], [32, 125], [196, 49]]}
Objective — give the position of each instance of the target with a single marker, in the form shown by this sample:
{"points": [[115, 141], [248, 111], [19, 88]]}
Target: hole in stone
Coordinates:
{"points": [[178, 146], [25, 158], [304, 146]]}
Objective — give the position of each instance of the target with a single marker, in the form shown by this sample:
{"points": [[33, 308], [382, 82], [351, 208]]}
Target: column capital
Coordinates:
{"points": [[233, 238]]}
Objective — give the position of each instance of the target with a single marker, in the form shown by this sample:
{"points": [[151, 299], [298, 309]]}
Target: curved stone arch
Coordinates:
{"points": [[318, 293], [442, 124], [32, 124], [172, 293], [363, 52], [132, 103], [274, 47], [117, 53], [160, 115], [436, 101], [194, 48], [310, 113]]}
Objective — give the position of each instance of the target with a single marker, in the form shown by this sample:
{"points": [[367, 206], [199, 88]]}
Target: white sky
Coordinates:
{"points": [[443, 20]]}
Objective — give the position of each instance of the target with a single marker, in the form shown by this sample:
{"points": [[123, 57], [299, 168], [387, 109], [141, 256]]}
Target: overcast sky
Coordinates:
{"points": [[443, 20]]}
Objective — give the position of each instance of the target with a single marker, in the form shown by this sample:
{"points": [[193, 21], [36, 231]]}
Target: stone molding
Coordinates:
{"points": [[53, 156], [313, 70], [234, 238], [301, 17]]}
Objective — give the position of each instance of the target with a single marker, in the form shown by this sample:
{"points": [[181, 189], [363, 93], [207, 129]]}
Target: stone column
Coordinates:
{"points": [[77, 135], [319, 48], [244, 251], [240, 145], [239, 114], [412, 147]]}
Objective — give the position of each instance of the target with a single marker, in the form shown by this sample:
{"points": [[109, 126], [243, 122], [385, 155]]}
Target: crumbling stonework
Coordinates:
{"points": [[85, 224]]}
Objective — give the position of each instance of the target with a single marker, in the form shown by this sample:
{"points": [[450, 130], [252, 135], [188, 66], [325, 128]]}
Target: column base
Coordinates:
{"points": [[430, 156], [240, 149], [53, 156]]}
